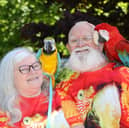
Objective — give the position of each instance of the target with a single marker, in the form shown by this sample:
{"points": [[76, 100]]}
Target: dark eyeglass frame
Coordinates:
{"points": [[24, 69]]}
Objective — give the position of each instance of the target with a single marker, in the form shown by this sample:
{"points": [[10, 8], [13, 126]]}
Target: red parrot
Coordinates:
{"points": [[116, 46]]}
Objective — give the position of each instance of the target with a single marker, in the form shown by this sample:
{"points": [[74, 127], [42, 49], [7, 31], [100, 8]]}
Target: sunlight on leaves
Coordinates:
{"points": [[123, 6], [99, 11], [105, 1], [106, 14], [3, 3]]}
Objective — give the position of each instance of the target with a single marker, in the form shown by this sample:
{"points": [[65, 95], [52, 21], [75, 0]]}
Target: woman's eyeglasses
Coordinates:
{"points": [[24, 69]]}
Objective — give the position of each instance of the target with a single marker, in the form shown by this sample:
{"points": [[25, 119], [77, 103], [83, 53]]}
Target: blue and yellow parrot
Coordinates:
{"points": [[49, 58]]}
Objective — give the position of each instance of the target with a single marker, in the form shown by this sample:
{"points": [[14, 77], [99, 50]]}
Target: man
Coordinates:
{"points": [[92, 91], [82, 48]]}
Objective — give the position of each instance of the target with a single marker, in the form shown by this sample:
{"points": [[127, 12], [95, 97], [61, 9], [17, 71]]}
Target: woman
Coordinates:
{"points": [[23, 89]]}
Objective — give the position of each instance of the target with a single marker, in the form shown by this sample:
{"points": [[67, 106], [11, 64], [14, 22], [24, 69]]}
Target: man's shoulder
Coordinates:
{"points": [[64, 75], [65, 78]]}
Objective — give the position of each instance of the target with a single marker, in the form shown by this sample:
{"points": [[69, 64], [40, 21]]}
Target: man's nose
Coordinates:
{"points": [[80, 43]]}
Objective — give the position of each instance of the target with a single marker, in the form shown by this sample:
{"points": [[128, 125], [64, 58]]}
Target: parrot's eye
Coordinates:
{"points": [[103, 31], [104, 34], [80, 95], [27, 120]]}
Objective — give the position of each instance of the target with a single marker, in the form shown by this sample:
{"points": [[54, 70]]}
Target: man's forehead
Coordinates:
{"points": [[72, 37], [83, 24], [77, 33], [82, 27]]}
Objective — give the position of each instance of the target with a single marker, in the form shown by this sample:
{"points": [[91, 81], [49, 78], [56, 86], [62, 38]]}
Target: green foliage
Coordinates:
{"points": [[15, 13], [62, 49], [123, 6], [64, 75]]}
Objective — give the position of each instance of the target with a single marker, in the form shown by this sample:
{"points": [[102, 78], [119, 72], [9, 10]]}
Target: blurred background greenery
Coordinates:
{"points": [[58, 15]]}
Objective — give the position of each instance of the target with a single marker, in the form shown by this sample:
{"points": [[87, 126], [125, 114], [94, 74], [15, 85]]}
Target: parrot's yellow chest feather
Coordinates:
{"points": [[49, 63]]}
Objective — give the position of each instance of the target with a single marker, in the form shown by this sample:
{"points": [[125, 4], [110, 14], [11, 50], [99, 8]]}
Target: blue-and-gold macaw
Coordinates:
{"points": [[49, 58]]}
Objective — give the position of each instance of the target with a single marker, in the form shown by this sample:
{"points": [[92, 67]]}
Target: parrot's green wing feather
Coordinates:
{"points": [[124, 57]]}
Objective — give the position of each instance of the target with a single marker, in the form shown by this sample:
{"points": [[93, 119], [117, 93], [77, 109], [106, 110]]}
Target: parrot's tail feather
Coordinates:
{"points": [[50, 103]]}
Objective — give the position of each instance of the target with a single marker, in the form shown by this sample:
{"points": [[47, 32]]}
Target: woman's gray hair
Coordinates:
{"points": [[8, 93]]}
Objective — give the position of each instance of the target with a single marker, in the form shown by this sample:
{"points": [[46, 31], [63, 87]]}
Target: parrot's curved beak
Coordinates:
{"points": [[49, 47], [101, 38]]}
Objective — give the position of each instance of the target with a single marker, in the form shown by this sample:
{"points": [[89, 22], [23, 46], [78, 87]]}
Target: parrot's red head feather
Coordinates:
{"points": [[108, 27], [114, 38]]}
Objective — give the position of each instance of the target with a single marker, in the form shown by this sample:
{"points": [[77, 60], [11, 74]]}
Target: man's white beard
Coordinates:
{"points": [[85, 59]]}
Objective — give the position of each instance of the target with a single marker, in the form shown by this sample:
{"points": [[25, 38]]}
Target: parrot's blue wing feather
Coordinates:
{"points": [[58, 64], [124, 57], [38, 54]]}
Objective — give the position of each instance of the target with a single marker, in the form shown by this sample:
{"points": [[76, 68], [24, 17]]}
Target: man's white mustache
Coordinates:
{"points": [[86, 48]]}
